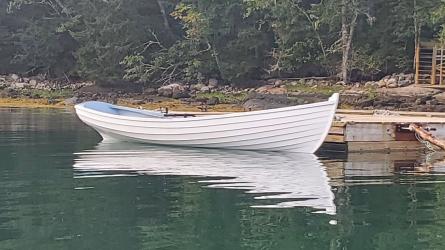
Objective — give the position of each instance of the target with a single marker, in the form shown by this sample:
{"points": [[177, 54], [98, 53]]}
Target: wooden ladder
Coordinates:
{"points": [[438, 66], [430, 68]]}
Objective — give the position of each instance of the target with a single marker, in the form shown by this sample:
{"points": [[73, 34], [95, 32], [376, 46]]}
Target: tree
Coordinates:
{"points": [[192, 40], [218, 42], [99, 34], [37, 45], [350, 12]]}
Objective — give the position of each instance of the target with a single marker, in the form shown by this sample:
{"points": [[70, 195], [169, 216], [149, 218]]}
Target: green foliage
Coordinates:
{"points": [[109, 33], [218, 42], [187, 59], [161, 41], [225, 97], [322, 89], [35, 45], [372, 93], [81, 38], [184, 60], [367, 62], [47, 94]]}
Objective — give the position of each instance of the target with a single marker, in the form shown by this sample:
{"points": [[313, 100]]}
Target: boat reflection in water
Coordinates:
{"points": [[277, 179], [285, 179]]}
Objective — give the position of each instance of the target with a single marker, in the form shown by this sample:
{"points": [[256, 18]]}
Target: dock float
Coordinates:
{"points": [[376, 131]]}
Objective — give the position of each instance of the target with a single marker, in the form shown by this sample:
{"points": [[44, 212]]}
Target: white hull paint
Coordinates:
{"points": [[297, 129]]}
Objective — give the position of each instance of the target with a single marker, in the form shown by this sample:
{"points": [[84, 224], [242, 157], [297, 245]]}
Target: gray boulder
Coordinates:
{"points": [[205, 89], [213, 83], [392, 85], [371, 84], [165, 91], [33, 83], [440, 97], [404, 83], [392, 81], [278, 83], [18, 85], [197, 87], [382, 83], [180, 92], [71, 101], [15, 77], [173, 90]]}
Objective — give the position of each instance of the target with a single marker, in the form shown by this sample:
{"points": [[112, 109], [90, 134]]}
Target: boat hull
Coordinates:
{"points": [[298, 129]]}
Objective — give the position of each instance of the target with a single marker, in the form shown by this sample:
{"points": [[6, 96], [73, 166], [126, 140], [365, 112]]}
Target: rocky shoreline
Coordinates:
{"points": [[395, 92]]}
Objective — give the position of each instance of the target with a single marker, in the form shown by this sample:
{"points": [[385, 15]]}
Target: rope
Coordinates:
{"points": [[385, 113], [427, 144]]}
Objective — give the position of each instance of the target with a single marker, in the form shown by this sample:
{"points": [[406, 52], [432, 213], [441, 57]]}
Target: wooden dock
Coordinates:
{"points": [[370, 131]]}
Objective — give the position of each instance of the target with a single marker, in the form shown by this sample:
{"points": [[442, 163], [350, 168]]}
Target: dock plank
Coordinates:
{"points": [[367, 116], [384, 146], [335, 138], [337, 131], [364, 132]]}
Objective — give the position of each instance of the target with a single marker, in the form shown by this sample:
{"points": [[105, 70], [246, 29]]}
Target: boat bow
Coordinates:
{"points": [[300, 128]]}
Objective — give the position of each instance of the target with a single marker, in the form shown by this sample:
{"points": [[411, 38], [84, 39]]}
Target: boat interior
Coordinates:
{"points": [[123, 111]]}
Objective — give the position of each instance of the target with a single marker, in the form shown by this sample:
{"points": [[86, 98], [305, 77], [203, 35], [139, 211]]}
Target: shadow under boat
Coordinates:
{"points": [[280, 179]]}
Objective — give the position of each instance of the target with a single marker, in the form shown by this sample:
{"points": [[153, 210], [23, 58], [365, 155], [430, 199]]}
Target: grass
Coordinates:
{"points": [[315, 89], [53, 94], [28, 103], [173, 105], [177, 105], [372, 93], [36, 98], [225, 98]]}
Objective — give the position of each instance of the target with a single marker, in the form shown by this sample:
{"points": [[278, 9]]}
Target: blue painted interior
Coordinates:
{"points": [[116, 110]]}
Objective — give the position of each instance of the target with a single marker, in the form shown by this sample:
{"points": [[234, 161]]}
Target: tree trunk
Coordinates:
{"points": [[344, 41], [217, 60], [347, 34], [165, 19], [416, 31]]}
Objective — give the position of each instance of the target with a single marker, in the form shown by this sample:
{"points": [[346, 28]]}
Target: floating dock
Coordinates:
{"points": [[376, 131]]}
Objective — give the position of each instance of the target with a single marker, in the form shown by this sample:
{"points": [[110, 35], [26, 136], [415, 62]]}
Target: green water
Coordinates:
{"points": [[62, 189]]}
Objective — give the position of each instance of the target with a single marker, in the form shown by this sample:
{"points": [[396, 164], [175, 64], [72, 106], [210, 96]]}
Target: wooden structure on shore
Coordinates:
{"points": [[368, 131], [430, 60]]}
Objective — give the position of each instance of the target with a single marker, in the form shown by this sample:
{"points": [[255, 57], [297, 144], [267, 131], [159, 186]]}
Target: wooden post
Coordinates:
{"points": [[417, 61], [441, 66], [433, 66]]}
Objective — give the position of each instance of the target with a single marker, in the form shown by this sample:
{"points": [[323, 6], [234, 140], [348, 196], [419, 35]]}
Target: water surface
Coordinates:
{"points": [[61, 188]]}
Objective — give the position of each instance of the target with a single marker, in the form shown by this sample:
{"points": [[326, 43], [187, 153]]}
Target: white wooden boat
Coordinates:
{"points": [[300, 128]]}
